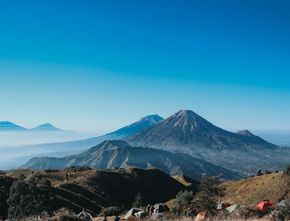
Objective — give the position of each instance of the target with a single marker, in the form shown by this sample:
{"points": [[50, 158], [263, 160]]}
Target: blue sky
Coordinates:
{"points": [[98, 65]]}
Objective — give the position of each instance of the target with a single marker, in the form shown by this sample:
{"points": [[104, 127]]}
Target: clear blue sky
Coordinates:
{"points": [[98, 65]]}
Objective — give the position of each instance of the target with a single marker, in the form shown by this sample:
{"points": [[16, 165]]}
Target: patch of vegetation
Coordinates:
{"points": [[210, 191], [28, 198], [250, 191], [183, 202]]}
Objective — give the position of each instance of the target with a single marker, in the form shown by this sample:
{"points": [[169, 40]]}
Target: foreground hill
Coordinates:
{"points": [[250, 191], [119, 154], [187, 132], [96, 189]]}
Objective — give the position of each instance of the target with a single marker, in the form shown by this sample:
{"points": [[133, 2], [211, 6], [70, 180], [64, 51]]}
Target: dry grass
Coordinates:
{"points": [[183, 180], [250, 191]]}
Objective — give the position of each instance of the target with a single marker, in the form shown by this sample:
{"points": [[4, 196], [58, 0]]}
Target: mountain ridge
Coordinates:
{"points": [[119, 154]]}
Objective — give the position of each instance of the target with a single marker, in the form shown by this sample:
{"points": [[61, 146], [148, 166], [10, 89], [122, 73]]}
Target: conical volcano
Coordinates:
{"points": [[186, 129], [187, 132]]}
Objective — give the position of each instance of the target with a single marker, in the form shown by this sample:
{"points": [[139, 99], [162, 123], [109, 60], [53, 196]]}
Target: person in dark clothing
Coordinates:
{"points": [[117, 218]]}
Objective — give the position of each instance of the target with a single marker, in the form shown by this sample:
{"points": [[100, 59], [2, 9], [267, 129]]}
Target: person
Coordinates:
{"points": [[152, 210], [117, 218]]}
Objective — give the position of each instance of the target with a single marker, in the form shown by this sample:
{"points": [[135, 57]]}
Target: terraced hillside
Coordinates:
{"points": [[78, 188]]}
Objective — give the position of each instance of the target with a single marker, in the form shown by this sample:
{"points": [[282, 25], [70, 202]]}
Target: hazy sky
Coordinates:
{"points": [[98, 65]]}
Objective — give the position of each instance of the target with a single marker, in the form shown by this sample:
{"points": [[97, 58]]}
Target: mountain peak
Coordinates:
{"points": [[10, 126], [246, 133], [143, 123], [154, 118], [46, 127], [189, 120], [185, 112]]}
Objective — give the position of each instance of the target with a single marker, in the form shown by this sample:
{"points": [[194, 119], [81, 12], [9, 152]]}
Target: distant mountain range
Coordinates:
{"points": [[81, 145], [184, 132], [119, 154], [8, 126]]}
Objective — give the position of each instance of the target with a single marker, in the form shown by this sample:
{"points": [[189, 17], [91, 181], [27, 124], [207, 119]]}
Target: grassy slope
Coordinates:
{"points": [[250, 191]]}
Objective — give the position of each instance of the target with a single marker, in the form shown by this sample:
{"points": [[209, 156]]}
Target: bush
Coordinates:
{"points": [[208, 196], [183, 202], [111, 211], [27, 199]]}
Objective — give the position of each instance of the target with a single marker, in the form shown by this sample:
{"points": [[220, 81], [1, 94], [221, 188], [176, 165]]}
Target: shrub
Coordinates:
{"points": [[26, 199], [208, 196], [183, 202]]}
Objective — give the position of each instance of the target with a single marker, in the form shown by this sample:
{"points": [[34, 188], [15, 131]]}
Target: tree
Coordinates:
{"points": [[183, 202], [138, 201], [208, 196]]}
